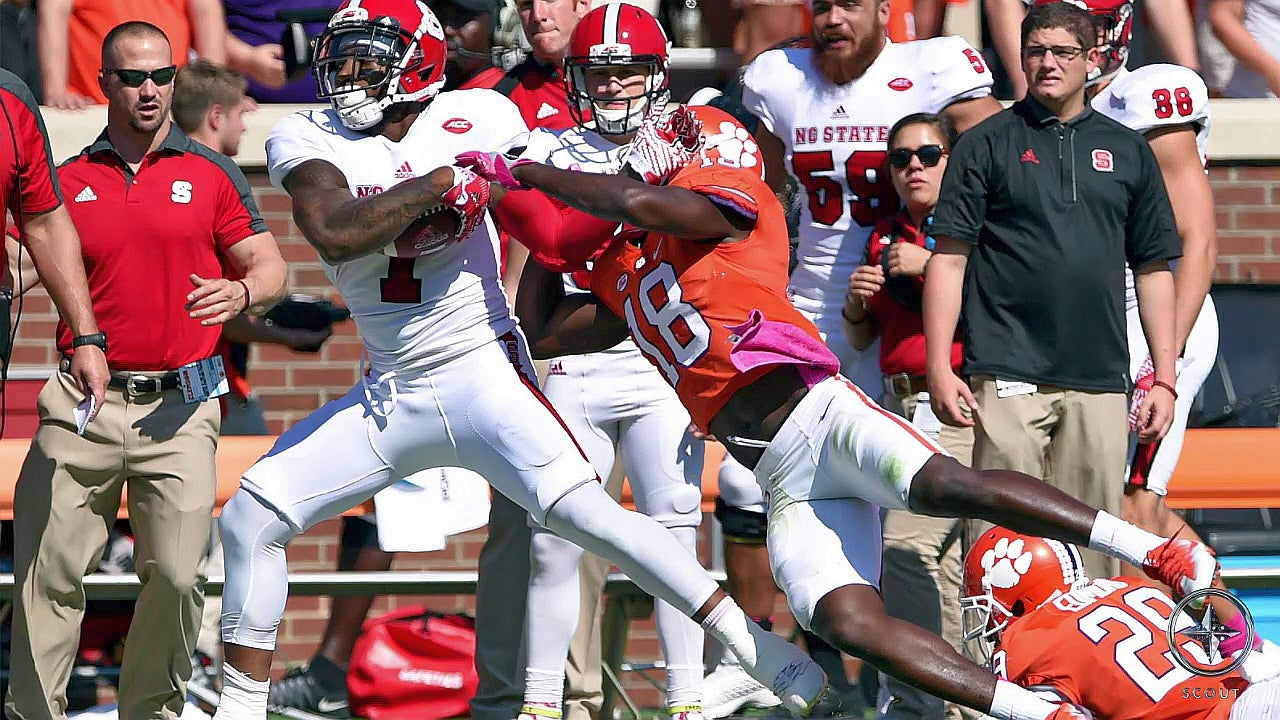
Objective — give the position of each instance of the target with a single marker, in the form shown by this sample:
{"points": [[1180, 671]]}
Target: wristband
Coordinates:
{"points": [[1166, 386], [844, 314], [246, 295]]}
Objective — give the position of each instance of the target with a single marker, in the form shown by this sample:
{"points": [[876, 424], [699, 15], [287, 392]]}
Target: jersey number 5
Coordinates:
{"points": [[683, 331], [871, 193], [1167, 102], [1155, 674]]}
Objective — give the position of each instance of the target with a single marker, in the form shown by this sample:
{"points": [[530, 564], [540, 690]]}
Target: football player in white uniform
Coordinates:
{"points": [[613, 400], [828, 110], [449, 379], [1169, 104]]}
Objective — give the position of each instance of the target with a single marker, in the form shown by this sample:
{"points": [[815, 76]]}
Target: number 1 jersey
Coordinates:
{"points": [[412, 313], [836, 137]]}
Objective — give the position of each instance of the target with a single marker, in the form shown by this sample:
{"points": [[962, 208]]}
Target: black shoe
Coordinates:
{"points": [[300, 694]]}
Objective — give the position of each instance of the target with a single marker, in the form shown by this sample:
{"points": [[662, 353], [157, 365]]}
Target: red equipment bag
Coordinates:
{"points": [[413, 664]]}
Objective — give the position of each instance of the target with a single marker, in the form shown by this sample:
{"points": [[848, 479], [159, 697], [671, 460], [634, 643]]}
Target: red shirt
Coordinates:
{"points": [[541, 95], [27, 183], [901, 325], [143, 234]]}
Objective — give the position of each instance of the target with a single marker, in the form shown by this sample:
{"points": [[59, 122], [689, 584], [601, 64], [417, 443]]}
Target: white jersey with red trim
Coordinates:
{"points": [[1151, 97], [583, 150], [412, 313], [836, 137]]}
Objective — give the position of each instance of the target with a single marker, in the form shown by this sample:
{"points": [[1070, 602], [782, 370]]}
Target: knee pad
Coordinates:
{"points": [[674, 505], [247, 520], [738, 486], [745, 527]]}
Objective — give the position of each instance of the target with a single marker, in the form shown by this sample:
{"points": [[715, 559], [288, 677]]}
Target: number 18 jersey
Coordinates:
{"points": [[679, 297], [836, 137]]}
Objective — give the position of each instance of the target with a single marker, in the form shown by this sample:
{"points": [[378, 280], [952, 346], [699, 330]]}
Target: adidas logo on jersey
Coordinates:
{"points": [[839, 113], [86, 195], [546, 110], [405, 172]]}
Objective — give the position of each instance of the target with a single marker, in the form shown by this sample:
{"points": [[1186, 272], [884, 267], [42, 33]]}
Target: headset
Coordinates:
{"points": [[10, 332]]}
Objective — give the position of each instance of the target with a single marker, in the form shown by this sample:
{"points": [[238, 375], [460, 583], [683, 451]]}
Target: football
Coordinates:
{"points": [[434, 230]]}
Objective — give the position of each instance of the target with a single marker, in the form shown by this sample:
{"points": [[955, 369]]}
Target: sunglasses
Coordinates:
{"points": [[135, 78], [929, 155]]}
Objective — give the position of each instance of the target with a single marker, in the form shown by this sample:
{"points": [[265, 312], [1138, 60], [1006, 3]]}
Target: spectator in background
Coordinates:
{"points": [[920, 571], [154, 262], [1169, 20], [70, 34], [18, 43], [1032, 241], [253, 47], [1250, 30]]}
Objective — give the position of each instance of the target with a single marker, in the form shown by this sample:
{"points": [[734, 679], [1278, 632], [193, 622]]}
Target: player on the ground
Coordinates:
{"points": [[1169, 104], [825, 113], [449, 380], [614, 400], [1100, 644], [695, 269]]}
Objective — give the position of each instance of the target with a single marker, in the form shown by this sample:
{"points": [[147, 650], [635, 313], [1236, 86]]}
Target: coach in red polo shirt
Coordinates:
{"points": [[156, 214], [30, 191]]}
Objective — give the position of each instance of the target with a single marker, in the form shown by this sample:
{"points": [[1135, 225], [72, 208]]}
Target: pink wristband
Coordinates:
{"points": [[1243, 635]]}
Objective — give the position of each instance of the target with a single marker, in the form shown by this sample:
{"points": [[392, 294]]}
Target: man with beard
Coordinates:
{"points": [[158, 214], [827, 111]]}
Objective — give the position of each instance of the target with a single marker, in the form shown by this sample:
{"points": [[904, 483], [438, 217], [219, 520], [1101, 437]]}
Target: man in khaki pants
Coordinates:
{"points": [[155, 276], [1041, 208]]}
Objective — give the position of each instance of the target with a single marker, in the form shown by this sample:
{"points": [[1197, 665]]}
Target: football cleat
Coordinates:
{"points": [[729, 689]]}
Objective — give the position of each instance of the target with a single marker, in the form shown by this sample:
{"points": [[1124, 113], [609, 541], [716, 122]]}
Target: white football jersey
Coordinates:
{"points": [[836, 137], [412, 312], [577, 148], [1151, 97]]}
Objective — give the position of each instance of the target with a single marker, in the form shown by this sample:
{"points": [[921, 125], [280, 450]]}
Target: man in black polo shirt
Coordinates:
{"points": [[1040, 208]]}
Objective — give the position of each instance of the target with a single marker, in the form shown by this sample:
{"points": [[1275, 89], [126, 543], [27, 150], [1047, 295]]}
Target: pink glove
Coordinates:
{"points": [[1142, 384], [469, 197], [494, 167], [664, 143]]}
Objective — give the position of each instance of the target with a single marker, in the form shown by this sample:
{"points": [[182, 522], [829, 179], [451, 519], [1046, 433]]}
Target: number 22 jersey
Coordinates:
{"points": [[836, 137], [1103, 647]]}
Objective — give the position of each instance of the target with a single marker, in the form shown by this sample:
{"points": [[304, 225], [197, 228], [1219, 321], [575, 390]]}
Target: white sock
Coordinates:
{"points": [[1121, 539], [727, 623], [243, 698], [1011, 702], [542, 688]]}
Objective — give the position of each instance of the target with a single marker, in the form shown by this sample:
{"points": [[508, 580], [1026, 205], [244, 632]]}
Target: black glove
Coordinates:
{"points": [[305, 312]]}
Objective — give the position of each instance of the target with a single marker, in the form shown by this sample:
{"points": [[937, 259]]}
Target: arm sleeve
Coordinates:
{"points": [[236, 216], [507, 125], [959, 72], [40, 192], [1150, 233], [755, 82], [962, 200], [293, 141], [558, 237]]}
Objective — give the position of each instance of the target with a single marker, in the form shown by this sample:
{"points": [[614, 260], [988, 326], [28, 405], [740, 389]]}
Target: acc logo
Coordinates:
{"points": [[1102, 161], [180, 192], [900, 84], [457, 126], [1204, 657]]}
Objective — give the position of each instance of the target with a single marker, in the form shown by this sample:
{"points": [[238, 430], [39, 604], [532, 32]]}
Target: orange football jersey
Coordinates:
{"points": [[1104, 647], [679, 296]]}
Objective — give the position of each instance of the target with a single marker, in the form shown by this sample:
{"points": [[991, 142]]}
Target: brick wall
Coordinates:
{"points": [[292, 384]]}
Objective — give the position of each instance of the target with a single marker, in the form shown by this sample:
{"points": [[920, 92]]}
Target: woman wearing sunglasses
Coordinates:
{"points": [[920, 573]]}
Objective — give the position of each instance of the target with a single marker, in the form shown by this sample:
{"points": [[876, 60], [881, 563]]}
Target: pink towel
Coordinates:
{"points": [[765, 342]]}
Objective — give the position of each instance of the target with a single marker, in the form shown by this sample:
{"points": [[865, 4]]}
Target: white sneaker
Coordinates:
{"points": [[729, 689]]}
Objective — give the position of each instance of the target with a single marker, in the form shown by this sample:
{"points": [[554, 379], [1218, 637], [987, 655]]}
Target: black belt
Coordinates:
{"points": [[134, 384]]}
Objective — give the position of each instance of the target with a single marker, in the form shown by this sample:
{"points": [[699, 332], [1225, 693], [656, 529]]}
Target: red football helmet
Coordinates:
{"points": [[1007, 575], [1114, 19], [616, 34], [375, 53]]}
